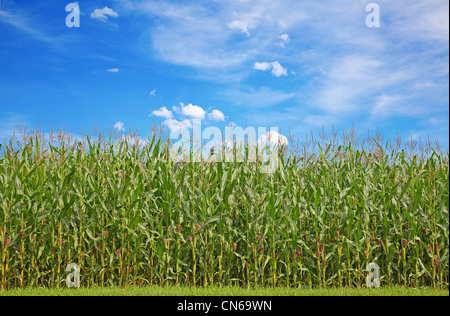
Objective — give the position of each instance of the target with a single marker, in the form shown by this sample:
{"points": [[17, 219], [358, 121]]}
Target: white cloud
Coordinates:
{"points": [[113, 70], [201, 35], [216, 115], [119, 126], [153, 92], [193, 111], [262, 66], [346, 68], [419, 20], [285, 39], [245, 22], [103, 14], [387, 105], [174, 124], [177, 109], [197, 35], [381, 88], [272, 138], [277, 69], [163, 112], [240, 25]]}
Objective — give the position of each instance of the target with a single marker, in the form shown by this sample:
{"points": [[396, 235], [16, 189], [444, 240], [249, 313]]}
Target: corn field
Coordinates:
{"points": [[130, 216]]}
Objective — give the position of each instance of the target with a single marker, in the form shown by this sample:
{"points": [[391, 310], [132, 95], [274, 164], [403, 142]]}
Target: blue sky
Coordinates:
{"points": [[291, 64]]}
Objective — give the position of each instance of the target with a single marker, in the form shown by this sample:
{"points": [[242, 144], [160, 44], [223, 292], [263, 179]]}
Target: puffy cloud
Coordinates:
{"points": [[174, 124], [103, 14], [262, 66], [193, 111], [163, 112], [272, 138], [277, 69], [119, 126], [216, 115]]}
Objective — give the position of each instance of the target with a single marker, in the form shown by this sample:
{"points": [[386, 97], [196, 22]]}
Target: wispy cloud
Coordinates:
{"points": [[245, 22], [194, 35], [22, 22], [349, 68], [418, 20], [261, 98], [345, 71]]}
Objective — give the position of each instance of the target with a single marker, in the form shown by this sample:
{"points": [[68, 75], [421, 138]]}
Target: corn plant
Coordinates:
{"points": [[127, 214]]}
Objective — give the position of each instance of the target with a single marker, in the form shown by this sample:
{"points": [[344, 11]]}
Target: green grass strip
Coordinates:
{"points": [[225, 291]]}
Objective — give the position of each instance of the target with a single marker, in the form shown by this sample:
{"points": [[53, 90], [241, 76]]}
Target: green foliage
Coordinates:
{"points": [[129, 215]]}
